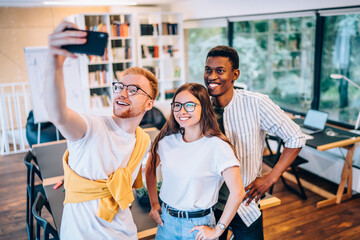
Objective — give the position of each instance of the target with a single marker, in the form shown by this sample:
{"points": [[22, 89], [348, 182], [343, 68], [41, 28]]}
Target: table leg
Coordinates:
{"points": [[346, 177]]}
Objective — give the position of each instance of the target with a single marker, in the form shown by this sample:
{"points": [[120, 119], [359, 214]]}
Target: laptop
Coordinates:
{"points": [[314, 122]]}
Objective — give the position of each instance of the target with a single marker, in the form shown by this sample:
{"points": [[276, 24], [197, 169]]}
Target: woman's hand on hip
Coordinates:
{"points": [[155, 214], [205, 232]]}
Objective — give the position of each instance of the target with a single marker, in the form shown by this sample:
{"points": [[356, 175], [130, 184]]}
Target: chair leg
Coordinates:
{"points": [[31, 226], [301, 191], [28, 216], [271, 189]]}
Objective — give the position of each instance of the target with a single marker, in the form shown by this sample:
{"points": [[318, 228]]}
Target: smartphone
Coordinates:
{"points": [[95, 44]]}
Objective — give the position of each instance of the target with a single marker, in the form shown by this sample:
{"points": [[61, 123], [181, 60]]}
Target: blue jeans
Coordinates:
{"points": [[240, 230], [179, 228]]}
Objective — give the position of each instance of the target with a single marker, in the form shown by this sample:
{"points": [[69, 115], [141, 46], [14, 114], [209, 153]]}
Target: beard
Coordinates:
{"points": [[128, 113]]}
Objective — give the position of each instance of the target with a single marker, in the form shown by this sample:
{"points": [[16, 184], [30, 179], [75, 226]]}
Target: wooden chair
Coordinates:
{"points": [[273, 158], [39, 203], [32, 190]]}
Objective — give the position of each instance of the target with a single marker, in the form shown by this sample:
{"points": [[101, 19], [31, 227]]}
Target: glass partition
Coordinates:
{"points": [[277, 59], [341, 55], [200, 41]]}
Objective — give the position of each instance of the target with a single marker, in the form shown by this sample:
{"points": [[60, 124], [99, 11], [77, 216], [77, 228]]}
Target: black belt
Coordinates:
{"points": [[185, 214]]}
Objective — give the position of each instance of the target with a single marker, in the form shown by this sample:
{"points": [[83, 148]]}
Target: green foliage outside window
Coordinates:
{"points": [[341, 53], [200, 41], [276, 58]]}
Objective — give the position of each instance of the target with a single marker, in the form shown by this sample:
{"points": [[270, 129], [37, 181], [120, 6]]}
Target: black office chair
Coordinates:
{"points": [[39, 203], [31, 190], [153, 118], [273, 158]]}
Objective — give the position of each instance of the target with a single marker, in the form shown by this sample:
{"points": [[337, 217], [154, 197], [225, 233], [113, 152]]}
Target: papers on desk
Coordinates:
{"points": [[307, 136]]}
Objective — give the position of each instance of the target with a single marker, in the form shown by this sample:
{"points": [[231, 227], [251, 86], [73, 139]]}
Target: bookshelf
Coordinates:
{"points": [[161, 50], [97, 73]]}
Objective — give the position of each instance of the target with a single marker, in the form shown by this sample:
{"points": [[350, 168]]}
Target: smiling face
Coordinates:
{"points": [[125, 106], [188, 120], [219, 76]]}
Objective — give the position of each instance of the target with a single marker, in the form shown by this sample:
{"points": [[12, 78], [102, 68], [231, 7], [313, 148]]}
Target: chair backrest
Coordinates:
{"points": [[39, 203], [49, 157], [32, 168], [275, 155], [153, 118]]}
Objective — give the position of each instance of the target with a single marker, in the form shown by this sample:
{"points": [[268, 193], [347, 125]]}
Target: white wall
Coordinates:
{"points": [[200, 9], [137, 9]]}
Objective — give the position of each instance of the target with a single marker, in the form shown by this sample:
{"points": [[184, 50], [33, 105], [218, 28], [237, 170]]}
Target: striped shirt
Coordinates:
{"points": [[246, 120]]}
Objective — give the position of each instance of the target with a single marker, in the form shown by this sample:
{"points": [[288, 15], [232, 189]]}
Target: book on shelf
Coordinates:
{"points": [[120, 29], [169, 93], [154, 69], [98, 78], [97, 28], [100, 101], [98, 59], [149, 29], [170, 51], [177, 72], [121, 53], [169, 28], [149, 51]]}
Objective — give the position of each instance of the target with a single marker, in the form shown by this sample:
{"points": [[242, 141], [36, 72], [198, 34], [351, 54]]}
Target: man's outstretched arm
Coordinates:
{"points": [[71, 125]]}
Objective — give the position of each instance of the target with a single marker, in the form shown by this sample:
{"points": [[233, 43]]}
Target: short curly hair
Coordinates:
{"points": [[154, 84], [225, 51]]}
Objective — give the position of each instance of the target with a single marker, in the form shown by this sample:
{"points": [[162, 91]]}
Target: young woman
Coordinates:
{"points": [[195, 160]]}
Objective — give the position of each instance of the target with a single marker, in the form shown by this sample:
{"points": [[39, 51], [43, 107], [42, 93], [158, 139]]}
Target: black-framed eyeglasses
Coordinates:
{"points": [[130, 89], [188, 106]]}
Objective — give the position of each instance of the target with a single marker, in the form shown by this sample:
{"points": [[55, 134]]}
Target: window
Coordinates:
{"points": [[340, 54], [277, 54], [200, 41], [276, 58]]}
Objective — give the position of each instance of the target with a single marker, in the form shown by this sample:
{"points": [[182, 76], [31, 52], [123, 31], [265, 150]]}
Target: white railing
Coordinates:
{"points": [[15, 106]]}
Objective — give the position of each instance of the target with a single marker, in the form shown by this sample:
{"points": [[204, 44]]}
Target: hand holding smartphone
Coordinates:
{"points": [[95, 43]]}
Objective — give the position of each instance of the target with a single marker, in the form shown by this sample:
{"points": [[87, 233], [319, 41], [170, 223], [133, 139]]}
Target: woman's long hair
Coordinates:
{"points": [[208, 123]]}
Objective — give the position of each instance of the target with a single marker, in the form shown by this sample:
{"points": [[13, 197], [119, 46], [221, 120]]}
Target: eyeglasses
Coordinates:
{"points": [[188, 106], [130, 89]]}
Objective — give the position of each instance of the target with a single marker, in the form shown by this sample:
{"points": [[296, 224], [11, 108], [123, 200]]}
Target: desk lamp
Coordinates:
{"points": [[339, 76]]}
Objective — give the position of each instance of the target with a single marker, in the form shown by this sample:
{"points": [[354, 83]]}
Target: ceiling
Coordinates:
{"points": [[39, 3]]}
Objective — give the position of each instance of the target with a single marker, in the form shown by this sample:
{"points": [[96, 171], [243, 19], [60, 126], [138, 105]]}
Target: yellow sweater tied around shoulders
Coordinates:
{"points": [[113, 192]]}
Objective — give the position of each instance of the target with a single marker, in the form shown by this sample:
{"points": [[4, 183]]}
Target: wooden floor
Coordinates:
{"points": [[293, 219]]}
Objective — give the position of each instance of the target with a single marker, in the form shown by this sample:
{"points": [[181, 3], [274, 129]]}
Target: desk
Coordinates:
{"points": [[144, 223], [146, 226], [323, 142], [49, 157]]}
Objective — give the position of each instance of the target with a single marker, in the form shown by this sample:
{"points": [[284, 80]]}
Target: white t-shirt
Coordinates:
{"points": [[104, 148], [192, 171]]}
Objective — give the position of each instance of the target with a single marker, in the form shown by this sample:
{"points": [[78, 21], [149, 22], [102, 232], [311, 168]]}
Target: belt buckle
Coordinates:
{"points": [[180, 214]]}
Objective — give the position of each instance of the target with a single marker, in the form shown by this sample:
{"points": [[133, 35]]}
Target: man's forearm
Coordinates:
{"points": [[286, 158], [54, 91]]}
